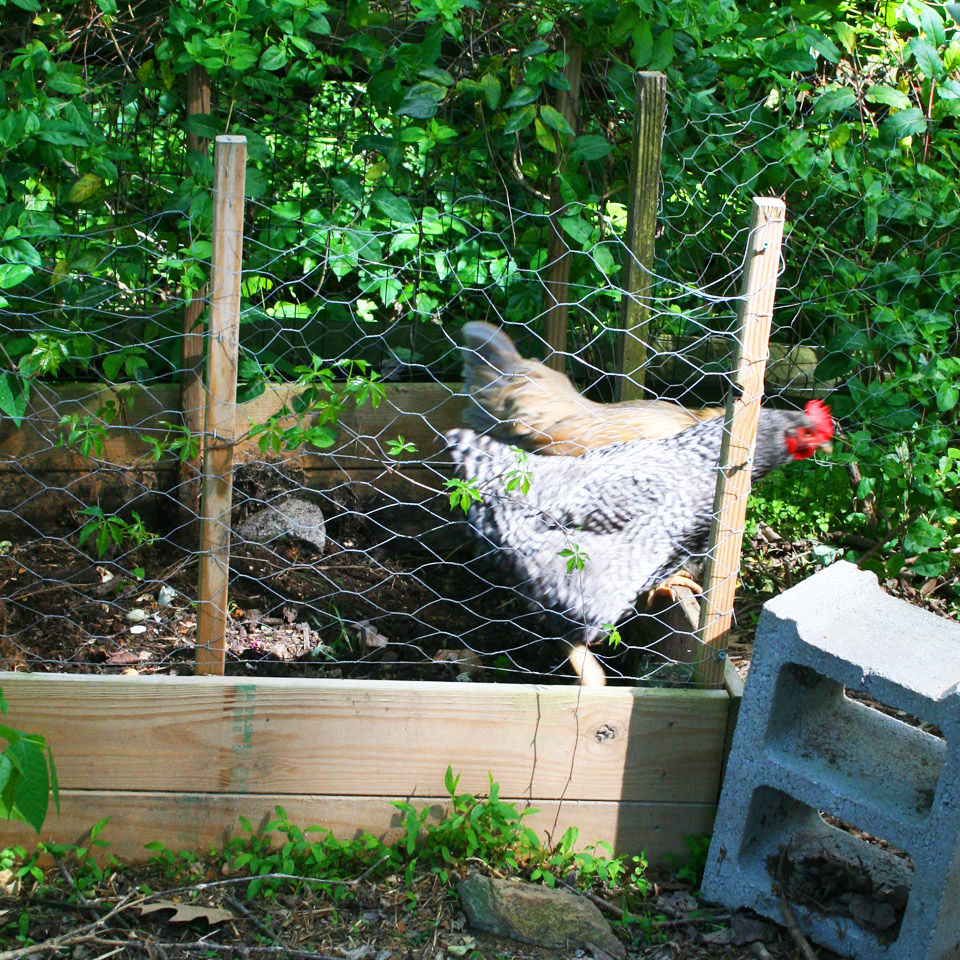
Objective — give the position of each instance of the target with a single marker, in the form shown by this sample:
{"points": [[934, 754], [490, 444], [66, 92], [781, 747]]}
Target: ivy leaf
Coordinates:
{"points": [[662, 55], [846, 36], [905, 123], [273, 58], [533, 49], [522, 96], [520, 119], [491, 90], [349, 187], [555, 119], [437, 76], [793, 60], [84, 188], [67, 83], [13, 273], [947, 397], [544, 137], [933, 564], [922, 536], [589, 147], [32, 793], [421, 101], [392, 206], [928, 60], [891, 96], [14, 395], [832, 100], [823, 45]]}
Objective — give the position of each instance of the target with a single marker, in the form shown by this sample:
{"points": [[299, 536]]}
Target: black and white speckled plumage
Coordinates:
{"points": [[638, 510]]}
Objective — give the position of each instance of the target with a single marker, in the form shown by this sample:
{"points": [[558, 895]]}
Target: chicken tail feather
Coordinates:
{"points": [[488, 354]]}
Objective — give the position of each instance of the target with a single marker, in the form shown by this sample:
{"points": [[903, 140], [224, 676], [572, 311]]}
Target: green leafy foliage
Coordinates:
{"points": [[113, 530], [28, 775], [419, 192]]}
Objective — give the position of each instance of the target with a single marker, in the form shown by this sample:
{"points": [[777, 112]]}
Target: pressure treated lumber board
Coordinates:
{"points": [[374, 738], [194, 821], [419, 411]]}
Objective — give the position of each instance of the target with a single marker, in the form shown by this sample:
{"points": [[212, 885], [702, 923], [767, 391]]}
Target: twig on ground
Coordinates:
{"points": [[203, 946], [264, 928], [790, 922], [760, 951]]}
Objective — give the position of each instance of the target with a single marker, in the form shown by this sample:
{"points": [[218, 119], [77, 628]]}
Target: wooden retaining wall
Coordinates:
{"points": [[181, 759]]}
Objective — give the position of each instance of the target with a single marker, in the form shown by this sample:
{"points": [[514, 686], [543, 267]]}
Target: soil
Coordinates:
{"points": [[397, 593]]}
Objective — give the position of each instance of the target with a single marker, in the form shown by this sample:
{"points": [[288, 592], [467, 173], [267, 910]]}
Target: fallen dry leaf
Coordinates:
{"points": [[122, 658], [187, 912]]}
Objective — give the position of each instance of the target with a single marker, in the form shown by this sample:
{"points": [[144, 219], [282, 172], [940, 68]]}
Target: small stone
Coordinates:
{"points": [[538, 915]]}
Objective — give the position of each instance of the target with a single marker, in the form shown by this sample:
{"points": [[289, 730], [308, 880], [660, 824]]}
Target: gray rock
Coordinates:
{"points": [[290, 517], [538, 915]]}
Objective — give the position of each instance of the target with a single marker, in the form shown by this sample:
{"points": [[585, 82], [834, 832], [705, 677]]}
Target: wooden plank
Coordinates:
{"points": [[192, 399], [369, 738], [226, 262], [722, 564], [644, 199], [194, 821], [422, 412], [557, 292]]}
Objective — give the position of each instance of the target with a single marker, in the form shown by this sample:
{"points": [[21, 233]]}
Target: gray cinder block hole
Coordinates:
{"points": [[825, 868], [816, 729]]}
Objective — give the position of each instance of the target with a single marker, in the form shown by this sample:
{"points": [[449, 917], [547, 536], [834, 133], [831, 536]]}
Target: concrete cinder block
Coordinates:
{"points": [[804, 746]]}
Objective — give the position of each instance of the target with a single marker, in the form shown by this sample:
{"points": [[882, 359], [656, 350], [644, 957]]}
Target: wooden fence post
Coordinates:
{"points": [[226, 258], [739, 435], [644, 199], [557, 294], [191, 362]]}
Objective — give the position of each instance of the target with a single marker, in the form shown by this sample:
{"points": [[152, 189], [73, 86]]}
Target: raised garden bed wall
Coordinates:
{"points": [[180, 760]]}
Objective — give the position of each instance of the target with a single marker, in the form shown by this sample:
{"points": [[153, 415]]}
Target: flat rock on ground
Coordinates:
{"points": [[538, 915]]}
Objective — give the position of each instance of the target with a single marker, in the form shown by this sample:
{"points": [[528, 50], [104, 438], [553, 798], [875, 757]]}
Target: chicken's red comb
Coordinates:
{"points": [[819, 413]]}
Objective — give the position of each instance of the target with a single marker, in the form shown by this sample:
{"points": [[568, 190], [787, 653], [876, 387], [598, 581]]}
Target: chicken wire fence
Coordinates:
{"points": [[370, 240]]}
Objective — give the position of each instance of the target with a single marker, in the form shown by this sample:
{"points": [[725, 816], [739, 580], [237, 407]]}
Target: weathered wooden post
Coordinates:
{"points": [[722, 565], [643, 200], [216, 496], [557, 295], [191, 362]]}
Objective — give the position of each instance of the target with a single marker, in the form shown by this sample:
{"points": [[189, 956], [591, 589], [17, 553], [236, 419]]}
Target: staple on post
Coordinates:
{"points": [[644, 199], [742, 415], [224, 332]]}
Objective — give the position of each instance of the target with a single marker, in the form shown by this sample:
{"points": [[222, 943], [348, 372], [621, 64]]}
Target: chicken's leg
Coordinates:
{"points": [[665, 590]]}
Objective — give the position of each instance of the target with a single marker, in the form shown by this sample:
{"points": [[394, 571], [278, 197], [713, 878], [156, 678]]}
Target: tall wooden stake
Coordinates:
{"points": [[557, 294], [217, 480], [191, 364], [739, 435], [644, 199]]}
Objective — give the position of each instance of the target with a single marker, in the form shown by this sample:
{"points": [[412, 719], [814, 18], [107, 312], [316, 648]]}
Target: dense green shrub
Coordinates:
{"points": [[402, 162]]}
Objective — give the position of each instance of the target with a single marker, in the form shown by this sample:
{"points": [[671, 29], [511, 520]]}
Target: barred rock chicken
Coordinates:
{"points": [[522, 402], [634, 512]]}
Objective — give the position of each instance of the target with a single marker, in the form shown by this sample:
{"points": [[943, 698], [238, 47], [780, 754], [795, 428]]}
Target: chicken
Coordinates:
{"points": [[593, 533], [522, 402]]}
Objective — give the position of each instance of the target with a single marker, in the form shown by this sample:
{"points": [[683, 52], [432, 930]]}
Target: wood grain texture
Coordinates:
{"points": [[557, 293], [192, 398], [194, 821], [722, 565], [644, 199], [216, 485], [422, 412], [371, 738]]}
